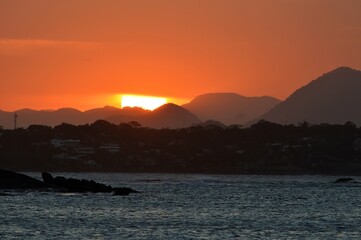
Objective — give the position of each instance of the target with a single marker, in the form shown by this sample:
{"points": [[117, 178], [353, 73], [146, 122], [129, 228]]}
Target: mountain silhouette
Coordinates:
{"points": [[166, 116], [332, 98], [230, 108], [126, 114], [27, 117]]}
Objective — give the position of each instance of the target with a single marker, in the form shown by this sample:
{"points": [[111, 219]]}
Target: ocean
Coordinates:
{"points": [[188, 206]]}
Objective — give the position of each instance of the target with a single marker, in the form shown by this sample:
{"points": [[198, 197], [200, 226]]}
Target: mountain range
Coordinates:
{"points": [[166, 116], [230, 108], [332, 98]]}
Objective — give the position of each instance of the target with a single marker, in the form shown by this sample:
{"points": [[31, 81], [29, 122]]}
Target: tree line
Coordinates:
{"points": [[263, 148]]}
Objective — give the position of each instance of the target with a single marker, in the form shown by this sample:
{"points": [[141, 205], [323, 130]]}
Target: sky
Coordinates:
{"points": [[85, 53]]}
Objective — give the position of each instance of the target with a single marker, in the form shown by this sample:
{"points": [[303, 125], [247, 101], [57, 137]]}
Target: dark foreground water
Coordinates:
{"points": [[189, 207]]}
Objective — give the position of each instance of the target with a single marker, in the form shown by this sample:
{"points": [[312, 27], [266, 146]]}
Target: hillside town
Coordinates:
{"points": [[263, 148]]}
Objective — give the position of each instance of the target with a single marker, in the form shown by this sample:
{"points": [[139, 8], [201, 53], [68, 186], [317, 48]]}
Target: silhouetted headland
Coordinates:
{"points": [[15, 181]]}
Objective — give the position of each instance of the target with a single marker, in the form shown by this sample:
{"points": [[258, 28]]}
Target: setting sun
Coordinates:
{"points": [[146, 102]]}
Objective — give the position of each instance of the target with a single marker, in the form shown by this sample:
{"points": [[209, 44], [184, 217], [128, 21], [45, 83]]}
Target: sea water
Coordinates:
{"points": [[176, 206]]}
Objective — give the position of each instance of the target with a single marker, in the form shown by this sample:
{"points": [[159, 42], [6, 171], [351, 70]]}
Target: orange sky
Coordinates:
{"points": [[82, 53]]}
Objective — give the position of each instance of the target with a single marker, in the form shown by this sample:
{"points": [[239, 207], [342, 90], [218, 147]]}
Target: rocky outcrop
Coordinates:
{"points": [[76, 185], [345, 180], [124, 191], [13, 180], [4, 194]]}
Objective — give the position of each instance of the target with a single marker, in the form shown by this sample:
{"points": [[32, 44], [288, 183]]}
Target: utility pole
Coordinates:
{"points": [[15, 120]]}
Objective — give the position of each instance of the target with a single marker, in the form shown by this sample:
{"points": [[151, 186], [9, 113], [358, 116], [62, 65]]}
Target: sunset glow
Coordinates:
{"points": [[83, 54], [145, 102]]}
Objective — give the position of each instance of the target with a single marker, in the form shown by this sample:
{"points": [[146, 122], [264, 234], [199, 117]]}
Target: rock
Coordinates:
{"points": [[344, 180], [123, 191], [13, 180], [76, 185], [4, 194], [47, 178]]}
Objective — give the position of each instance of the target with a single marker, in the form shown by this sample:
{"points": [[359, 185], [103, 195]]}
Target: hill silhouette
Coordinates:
{"points": [[43, 117], [117, 115], [332, 98], [230, 108], [167, 116], [27, 117]]}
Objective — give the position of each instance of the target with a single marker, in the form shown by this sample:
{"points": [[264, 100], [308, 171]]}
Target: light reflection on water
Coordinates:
{"points": [[189, 207]]}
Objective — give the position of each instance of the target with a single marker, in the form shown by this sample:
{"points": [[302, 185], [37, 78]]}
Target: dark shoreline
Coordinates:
{"points": [[10, 180], [206, 173], [263, 149]]}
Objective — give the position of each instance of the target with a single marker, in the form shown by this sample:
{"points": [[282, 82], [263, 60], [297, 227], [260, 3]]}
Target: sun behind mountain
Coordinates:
{"points": [[145, 102]]}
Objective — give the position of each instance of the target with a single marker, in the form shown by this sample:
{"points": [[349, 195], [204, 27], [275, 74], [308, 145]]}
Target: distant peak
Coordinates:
{"points": [[219, 94], [67, 109], [110, 107], [344, 68], [134, 108], [167, 106], [338, 75], [343, 71]]}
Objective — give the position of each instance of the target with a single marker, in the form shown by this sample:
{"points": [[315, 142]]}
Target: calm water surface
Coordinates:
{"points": [[189, 207]]}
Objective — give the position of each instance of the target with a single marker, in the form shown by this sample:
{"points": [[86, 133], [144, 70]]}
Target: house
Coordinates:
{"points": [[65, 143], [84, 151], [110, 147]]}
